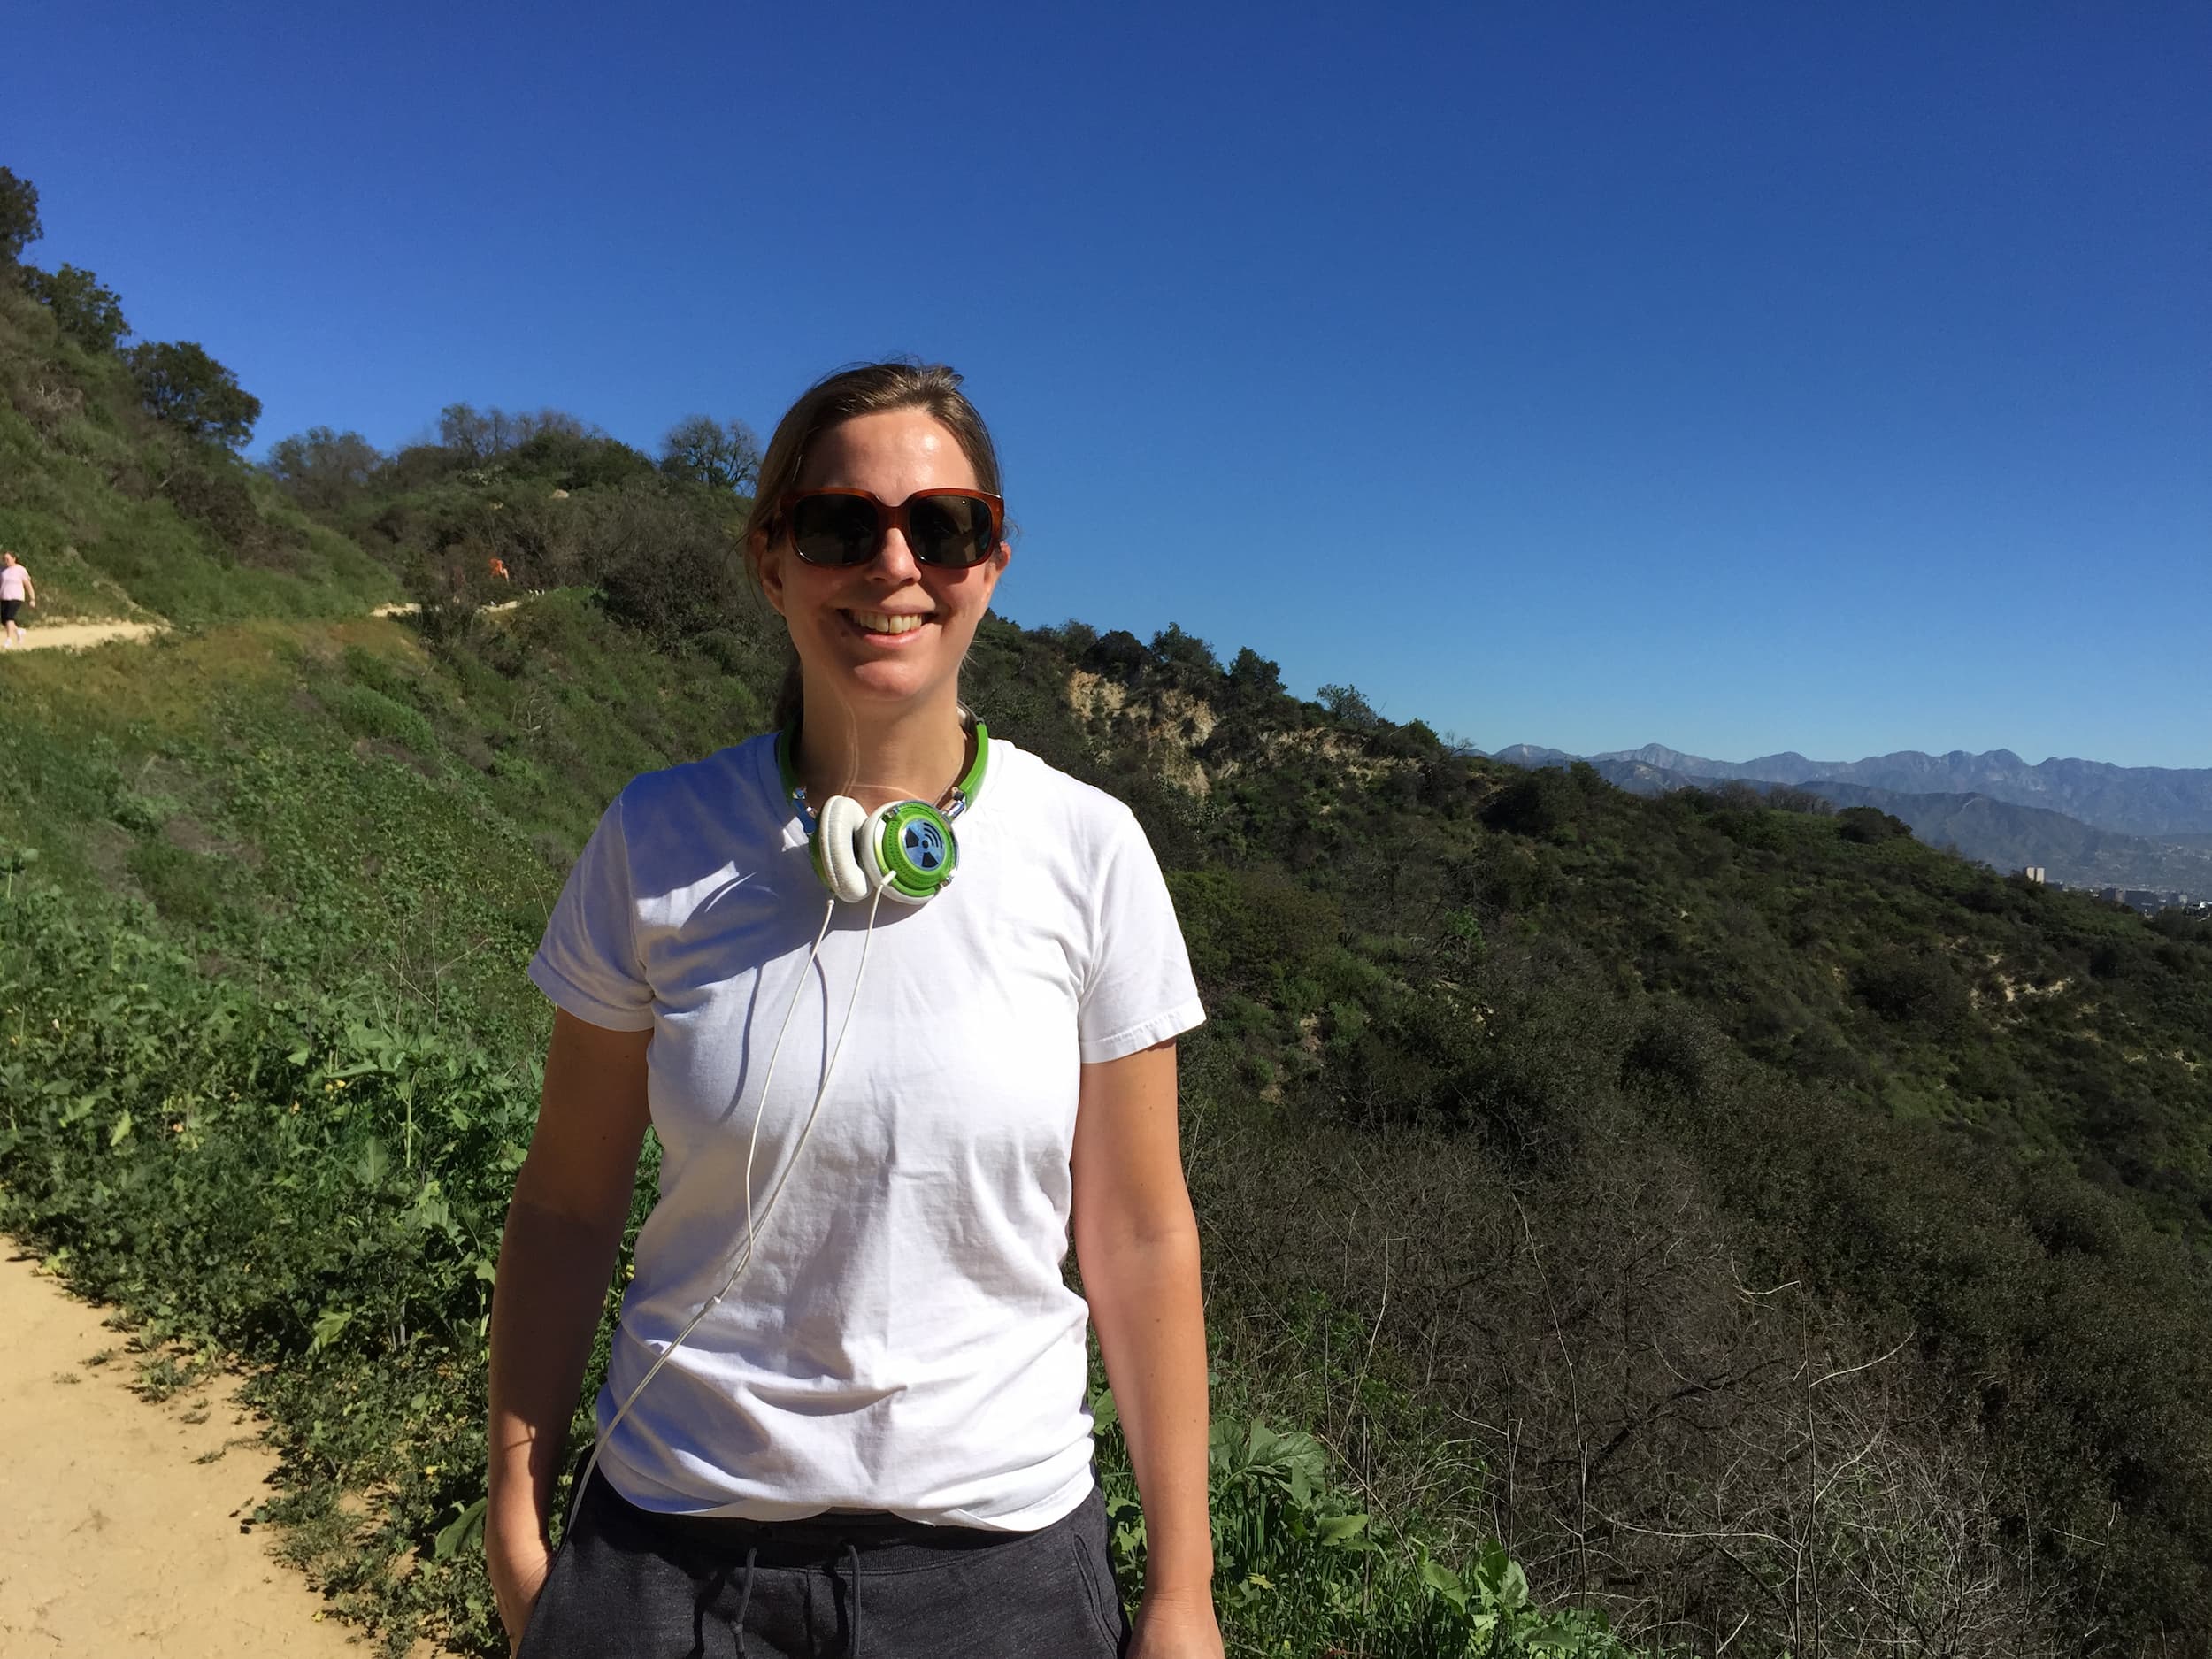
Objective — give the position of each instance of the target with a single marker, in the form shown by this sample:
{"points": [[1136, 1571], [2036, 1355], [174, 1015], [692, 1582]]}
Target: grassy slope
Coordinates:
{"points": [[99, 503], [324, 799]]}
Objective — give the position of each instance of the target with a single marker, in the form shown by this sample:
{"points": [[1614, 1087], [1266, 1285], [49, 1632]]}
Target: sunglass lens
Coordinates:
{"points": [[834, 529], [951, 529]]}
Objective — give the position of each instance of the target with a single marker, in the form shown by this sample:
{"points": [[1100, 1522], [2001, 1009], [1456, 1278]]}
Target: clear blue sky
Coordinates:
{"points": [[1738, 377]]}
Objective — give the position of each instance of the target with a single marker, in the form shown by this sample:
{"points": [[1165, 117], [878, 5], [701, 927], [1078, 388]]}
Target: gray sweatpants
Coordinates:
{"points": [[627, 1583]]}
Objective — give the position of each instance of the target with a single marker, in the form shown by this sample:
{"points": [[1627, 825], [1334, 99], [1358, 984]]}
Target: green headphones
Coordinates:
{"points": [[905, 851]]}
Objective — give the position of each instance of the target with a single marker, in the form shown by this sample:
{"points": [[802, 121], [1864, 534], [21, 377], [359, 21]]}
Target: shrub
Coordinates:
{"points": [[1676, 1053], [366, 713], [214, 494], [1541, 804], [1117, 655], [666, 570], [1869, 826], [88, 312], [1911, 987], [1247, 929]]}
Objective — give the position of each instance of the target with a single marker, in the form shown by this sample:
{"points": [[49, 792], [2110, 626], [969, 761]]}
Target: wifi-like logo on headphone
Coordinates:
{"points": [[924, 845]]}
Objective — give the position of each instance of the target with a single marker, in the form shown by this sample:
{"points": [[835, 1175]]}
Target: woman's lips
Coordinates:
{"points": [[885, 627]]}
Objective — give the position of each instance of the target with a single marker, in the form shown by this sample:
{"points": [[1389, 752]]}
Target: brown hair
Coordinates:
{"points": [[866, 389]]}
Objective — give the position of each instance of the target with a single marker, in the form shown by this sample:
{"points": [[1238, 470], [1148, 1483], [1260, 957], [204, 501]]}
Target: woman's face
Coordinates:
{"points": [[852, 626]]}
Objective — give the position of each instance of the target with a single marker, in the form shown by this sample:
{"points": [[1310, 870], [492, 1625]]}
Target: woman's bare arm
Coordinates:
{"points": [[1137, 1243], [564, 1230]]}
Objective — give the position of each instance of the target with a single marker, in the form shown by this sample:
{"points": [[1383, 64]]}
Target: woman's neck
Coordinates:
{"points": [[902, 754]]}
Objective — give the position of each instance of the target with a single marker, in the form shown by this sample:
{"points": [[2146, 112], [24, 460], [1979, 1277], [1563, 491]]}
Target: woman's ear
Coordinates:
{"points": [[766, 558], [994, 567]]}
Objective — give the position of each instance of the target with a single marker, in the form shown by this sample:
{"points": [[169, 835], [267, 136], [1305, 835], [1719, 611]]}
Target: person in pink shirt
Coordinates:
{"points": [[16, 591]]}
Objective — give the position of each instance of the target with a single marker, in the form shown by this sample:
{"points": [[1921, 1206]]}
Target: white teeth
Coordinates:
{"points": [[877, 622]]}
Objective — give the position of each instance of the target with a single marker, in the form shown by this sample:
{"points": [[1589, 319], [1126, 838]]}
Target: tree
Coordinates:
{"points": [[1174, 646], [1253, 677], [19, 216], [1075, 636], [89, 313], [665, 567], [1117, 655], [549, 422], [474, 436], [577, 460], [1869, 825], [480, 435], [181, 384], [1782, 798], [1542, 803], [1912, 986], [708, 451], [1347, 705], [322, 468]]}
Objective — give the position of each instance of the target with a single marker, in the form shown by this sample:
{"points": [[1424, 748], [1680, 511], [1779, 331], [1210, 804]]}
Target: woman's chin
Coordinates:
{"points": [[894, 682]]}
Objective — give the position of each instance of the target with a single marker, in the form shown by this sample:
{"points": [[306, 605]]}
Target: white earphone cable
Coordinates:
{"points": [[745, 1252]]}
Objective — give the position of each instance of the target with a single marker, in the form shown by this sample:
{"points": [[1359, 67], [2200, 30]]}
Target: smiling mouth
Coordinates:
{"points": [[882, 622]]}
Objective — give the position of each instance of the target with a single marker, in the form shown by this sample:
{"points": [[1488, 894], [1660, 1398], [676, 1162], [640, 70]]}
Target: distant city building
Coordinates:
{"points": [[2034, 872], [2150, 900]]}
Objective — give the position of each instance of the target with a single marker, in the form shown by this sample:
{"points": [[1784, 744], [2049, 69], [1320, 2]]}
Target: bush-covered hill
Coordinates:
{"points": [[1784, 1237], [119, 513], [1604, 1085]]}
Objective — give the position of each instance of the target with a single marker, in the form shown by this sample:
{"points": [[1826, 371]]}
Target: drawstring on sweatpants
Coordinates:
{"points": [[745, 1597], [852, 1556], [745, 1600]]}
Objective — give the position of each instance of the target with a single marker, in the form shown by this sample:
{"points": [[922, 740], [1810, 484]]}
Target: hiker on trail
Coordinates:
{"points": [[900, 1002], [16, 591]]}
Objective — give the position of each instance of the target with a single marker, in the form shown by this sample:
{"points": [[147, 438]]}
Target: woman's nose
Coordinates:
{"points": [[896, 558]]}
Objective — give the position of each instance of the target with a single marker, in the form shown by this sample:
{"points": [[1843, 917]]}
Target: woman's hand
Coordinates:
{"points": [[518, 1560], [1177, 1627]]}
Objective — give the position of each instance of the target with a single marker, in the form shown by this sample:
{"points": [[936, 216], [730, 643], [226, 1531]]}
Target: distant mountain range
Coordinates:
{"points": [[2088, 823]]}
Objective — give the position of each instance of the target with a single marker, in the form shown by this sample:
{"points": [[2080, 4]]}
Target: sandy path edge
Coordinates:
{"points": [[112, 1538], [72, 636]]}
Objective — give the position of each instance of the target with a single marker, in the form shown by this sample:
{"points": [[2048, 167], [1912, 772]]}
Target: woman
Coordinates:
{"points": [[844, 1410], [16, 591]]}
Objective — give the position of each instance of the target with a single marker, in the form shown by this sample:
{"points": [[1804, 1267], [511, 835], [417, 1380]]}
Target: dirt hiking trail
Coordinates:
{"points": [[120, 1519], [70, 636], [74, 636]]}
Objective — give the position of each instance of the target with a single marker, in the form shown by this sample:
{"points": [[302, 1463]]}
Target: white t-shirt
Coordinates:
{"points": [[903, 1339], [12, 577]]}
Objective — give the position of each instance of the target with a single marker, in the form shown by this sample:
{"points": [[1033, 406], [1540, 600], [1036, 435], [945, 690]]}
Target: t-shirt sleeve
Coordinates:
{"points": [[1138, 989], [588, 962]]}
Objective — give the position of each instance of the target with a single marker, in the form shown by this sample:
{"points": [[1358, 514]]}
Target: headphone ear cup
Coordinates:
{"points": [[871, 845], [837, 837]]}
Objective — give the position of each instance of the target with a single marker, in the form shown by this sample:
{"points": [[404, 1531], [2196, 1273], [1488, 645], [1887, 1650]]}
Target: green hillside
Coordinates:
{"points": [[1777, 1235], [119, 514]]}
